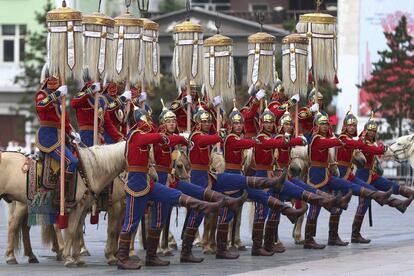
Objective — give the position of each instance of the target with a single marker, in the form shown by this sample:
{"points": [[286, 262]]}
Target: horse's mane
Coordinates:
{"points": [[102, 159]]}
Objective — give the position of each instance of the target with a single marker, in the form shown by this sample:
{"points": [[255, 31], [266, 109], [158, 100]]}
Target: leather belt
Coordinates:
{"points": [[319, 164], [264, 167], [50, 124], [138, 169], [163, 169], [199, 167], [344, 163], [233, 166]]}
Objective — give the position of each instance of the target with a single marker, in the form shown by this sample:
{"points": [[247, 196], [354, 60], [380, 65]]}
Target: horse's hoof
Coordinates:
{"points": [[112, 262], [166, 253], [134, 257], [80, 263], [173, 246], [12, 261], [85, 253], [208, 251], [70, 263], [299, 242], [59, 258], [33, 260]]}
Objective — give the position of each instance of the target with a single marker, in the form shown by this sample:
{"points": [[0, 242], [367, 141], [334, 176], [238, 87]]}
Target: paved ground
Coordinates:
{"points": [[390, 253]]}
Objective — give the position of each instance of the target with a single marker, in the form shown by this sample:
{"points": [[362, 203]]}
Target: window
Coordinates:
{"points": [[12, 43], [258, 7]]}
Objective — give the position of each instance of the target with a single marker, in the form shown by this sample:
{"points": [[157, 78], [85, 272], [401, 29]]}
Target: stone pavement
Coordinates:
{"points": [[390, 252]]}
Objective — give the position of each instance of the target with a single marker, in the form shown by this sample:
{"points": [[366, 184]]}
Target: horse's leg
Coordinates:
{"points": [[297, 229], [77, 242], [83, 250], [70, 233], [113, 232], [16, 214], [57, 243], [26, 242]]}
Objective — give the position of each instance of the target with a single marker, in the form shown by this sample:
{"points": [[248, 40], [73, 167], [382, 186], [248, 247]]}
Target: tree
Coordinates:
{"points": [[171, 5], [392, 83], [34, 59]]}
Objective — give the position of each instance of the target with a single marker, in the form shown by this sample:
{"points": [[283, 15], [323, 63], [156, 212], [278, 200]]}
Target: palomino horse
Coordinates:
{"points": [[102, 165], [402, 149]]}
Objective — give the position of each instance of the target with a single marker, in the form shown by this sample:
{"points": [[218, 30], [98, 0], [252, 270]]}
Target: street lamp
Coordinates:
{"points": [[143, 7]]}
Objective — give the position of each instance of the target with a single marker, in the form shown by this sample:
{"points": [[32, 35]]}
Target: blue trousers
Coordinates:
{"points": [[71, 162], [337, 184], [135, 206], [225, 182], [160, 210], [87, 137], [384, 184]]}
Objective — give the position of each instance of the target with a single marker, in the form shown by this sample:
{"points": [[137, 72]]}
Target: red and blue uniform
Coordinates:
{"points": [[140, 189], [48, 109], [116, 108], [83, 103]]}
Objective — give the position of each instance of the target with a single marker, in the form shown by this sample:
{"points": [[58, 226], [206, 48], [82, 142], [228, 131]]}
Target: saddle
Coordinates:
{"points": [[43, 189]]}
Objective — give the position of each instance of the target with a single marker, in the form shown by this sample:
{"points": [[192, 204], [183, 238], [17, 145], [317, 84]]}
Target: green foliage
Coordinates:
{"points": [[171, 5], [35, 57], [391, 87]]}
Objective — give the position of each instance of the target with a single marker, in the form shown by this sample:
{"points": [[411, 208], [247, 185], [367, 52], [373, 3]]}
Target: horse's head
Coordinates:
{"points": [[299, 163], [217, 164], [181, 164], [402, 149], [359, 159]]}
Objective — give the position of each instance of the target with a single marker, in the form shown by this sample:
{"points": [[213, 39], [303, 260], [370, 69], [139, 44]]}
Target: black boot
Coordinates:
{"points": [[400, 205], [270, 237], [199, 205], [264, 182], [380, 197]]}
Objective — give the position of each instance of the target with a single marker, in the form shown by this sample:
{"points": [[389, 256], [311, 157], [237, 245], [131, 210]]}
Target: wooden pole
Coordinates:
{"points": [[296, 119], [218, 125], [188, 106], [62, 156], [95, 118]]}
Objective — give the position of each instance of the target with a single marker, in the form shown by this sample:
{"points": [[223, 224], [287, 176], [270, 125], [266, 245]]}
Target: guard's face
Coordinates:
{"points": [[287, 128], [52, 83], [238, 127], [323, 129], [371, 134], [112, 89], [268, 126], [351, 129], [206, 126], [171, 125], [193, 93]]}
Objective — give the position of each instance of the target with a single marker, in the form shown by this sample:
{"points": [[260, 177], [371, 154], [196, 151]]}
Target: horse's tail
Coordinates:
{"points": [[48, 234], [17, 237]]}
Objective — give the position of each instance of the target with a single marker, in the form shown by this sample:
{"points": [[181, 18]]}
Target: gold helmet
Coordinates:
{"points": [[311, 96], [235, 116], [267, 116], [350, 118], [286, 118], [166, 114], [202, 115], [371, 124], [321, 119]]}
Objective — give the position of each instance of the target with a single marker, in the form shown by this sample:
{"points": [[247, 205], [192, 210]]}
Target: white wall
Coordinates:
{"points": [[348, 56]]}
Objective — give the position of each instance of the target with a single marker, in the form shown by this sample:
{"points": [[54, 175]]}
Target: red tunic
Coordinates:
{"points": [[306, 120], [319, 149], [200, 153], [264, 154], [283, 153], [250, 115], [162, 152], [48, 110], [233, 150], [279, 109], [84, 106]]}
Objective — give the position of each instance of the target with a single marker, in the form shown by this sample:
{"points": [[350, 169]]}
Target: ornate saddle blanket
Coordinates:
{"points": [[43, 189]]}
